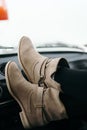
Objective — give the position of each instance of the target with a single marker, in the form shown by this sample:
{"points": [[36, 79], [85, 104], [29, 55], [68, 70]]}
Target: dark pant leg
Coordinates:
{"points": [[74, 85]]}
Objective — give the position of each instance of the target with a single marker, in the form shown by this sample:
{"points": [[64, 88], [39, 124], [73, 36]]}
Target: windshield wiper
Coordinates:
{"points": [[7, 50], [60, 44], [6, 47], [47, 45]]}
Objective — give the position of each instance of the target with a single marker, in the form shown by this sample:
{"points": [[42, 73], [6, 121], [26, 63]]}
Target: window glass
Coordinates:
{"points": [[45, 21]]}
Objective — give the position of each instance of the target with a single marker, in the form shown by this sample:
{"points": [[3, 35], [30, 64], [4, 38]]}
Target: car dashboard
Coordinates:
{"points": [[9, 109]]}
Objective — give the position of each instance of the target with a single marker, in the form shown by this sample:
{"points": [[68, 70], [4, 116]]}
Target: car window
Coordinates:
{"points": [[45, 21]]}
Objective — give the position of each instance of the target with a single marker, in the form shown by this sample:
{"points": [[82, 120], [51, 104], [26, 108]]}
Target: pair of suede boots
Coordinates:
{"points": [[38, 96]]}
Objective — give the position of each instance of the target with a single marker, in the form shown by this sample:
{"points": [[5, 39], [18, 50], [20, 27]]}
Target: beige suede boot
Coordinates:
{"points": [[39, 106], [38, 68]]}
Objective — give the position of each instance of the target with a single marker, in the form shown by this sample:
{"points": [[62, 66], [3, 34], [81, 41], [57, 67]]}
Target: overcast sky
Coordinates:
{"points": [[45, 21]]}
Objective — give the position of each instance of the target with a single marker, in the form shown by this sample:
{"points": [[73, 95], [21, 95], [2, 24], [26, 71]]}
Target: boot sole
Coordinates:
{"points": [[22, 114]]}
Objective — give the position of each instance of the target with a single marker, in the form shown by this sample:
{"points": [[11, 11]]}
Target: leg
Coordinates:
{"points": [[39, 105], [74, 85], [54, 104], [35, 66]]}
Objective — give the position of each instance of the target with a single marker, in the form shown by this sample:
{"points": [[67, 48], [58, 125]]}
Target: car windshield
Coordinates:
{"points": [[45, 21]]}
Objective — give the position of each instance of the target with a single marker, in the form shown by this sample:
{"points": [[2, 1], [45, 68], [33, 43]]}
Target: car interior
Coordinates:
{"points": [[58, 29], [9, 109]]}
